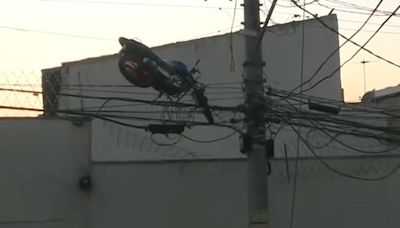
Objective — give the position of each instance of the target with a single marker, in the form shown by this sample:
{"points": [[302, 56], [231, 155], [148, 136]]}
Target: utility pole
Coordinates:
{"points": [[255, 143]]}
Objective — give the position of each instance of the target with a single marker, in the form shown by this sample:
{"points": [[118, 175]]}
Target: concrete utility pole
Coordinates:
{"points": [[255, 143]]}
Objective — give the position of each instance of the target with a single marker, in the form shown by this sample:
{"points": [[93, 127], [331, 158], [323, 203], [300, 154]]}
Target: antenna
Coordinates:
{"points": [[363, 62]]}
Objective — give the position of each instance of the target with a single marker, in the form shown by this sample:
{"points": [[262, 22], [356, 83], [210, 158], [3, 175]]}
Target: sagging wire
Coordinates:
{"points": [[294, 112], [336, 50], [211, 140], [341, 173], [344, 37], [166, 144], [299, 129], [335, 139], [358, 50], [232, 57]]}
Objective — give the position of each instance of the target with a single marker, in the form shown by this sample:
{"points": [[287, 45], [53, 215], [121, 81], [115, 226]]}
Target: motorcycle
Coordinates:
{"points": [[143, 68]]}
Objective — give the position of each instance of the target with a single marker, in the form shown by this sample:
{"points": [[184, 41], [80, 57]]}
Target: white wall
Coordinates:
{"points": [[173, 194], [214, 194], [282, 53], [40, 164], [325, 199], [42, 159], [282, 50]]}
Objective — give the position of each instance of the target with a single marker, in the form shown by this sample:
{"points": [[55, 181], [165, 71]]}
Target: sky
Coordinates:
{"points": [[38, 34]]}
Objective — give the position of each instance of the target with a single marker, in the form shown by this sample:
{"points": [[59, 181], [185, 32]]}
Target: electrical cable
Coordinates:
{"points": [[344, 37], [99, 85], [288, 6], [56, 33], [286, 162], [166, 144], [341, 173], [267, 19], [137, 4], [298, 141], [362, 108], [232, 64], [370, 23], [360, 48], [110, 118], [354, 7], [76, 113], [340, 124], [210, 141], [338, 48], [89, 108], [335, 138], [101, 107], [158, 103], [110, 91]]}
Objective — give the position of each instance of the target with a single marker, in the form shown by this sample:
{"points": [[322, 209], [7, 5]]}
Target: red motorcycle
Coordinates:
{"points": [[143, 68]]}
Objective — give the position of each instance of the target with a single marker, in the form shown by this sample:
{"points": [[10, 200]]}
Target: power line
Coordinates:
{"points": [[354, 6], [370, 23], [348, 39], [127, 99], [293, 113], [337, 49], [211, 140], [292, 212], [335, 139], [360, 48], [371, 31], [56, 33], [336, 125], [139, 4], [341, 173], [267, 19], [344, 7]]}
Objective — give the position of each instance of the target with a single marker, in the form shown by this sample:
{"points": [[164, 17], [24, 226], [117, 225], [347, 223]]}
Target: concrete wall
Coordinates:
{"points": [[42, 160], [325, 199], [40, 164], [282, 51], [214, 194], [169, 194], [391, 105]]}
